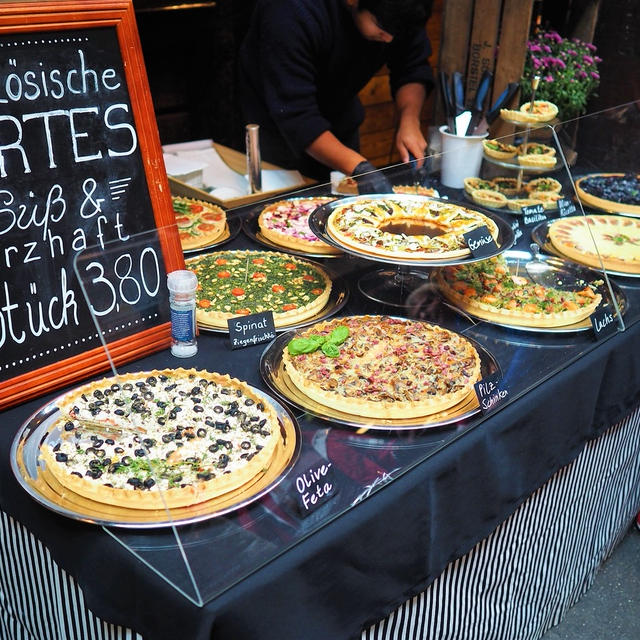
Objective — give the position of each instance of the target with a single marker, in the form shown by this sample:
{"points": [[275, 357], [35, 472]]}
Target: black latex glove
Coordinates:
{"points": [[370, 179]]}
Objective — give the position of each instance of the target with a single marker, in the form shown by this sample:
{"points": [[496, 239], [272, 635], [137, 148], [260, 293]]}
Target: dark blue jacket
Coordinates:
{"points": [[301, 66]]}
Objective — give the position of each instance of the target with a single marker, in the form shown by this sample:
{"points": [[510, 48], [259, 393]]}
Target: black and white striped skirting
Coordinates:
{"points": [[513, 585], [519, 582]]}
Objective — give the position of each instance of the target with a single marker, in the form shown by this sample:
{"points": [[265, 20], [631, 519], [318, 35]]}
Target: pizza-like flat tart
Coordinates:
{"points": [[237, 283], [416, 189], [170, 438], [406, 227], [611, 192], [286, 223], [382, 367], [617, 239], [199, 223], [487, 289]]}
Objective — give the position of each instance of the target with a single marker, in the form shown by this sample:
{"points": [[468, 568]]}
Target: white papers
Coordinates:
{"points": [[217, 177]]}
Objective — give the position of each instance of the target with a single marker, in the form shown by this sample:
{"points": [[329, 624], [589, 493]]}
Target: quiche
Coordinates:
{"points": [[508, 186], [549, 185], [286, 223], [540, 111], [199, 223], [416, 189], [472, 183], [382, 367], [612, 192], [487, 289], [172, 437], [407, 227], [237, 283], [499, 150], [549, 200], [617, 239], [489, 198], [517, 204], [535, 154]]}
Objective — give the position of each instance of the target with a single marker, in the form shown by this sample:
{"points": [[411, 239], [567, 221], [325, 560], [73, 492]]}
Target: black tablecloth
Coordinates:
{"points": [[329, 575]]}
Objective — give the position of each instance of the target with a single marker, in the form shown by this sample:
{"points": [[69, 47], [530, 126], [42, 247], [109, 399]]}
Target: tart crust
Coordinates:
{"points": [[191, 489], [503, 152], [199, 223], [387, 368], [617, 239], [486, 302], [237, 283], [489, 198], [601, 203], [360, 225], [286, 223]]}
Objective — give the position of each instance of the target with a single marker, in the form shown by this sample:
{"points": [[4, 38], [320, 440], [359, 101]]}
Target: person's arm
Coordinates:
{"points": [[409, 137], [328, 150]]}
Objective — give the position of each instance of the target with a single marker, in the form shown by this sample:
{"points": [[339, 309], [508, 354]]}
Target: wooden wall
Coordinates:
{"points": [[378, 129]]}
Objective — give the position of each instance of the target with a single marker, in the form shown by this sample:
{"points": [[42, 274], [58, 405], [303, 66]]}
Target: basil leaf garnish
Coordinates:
{"points": [[301, 345], [330, 349], [339, 335]]}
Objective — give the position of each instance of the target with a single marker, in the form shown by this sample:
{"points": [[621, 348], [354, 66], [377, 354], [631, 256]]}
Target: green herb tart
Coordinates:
{"points": [[237, 283]]}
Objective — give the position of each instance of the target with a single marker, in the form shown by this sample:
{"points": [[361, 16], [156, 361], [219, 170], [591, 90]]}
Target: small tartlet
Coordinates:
{"points": [[499, 150], [549, 199], [489, 198], [535, 154], [547, 185], [473, 183], [517, 203], [508, 186], [542, 111]]}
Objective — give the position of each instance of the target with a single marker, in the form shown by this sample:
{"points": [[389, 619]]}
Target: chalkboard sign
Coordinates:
{"points": [[247, 331], [81, 178], [480, 242]]}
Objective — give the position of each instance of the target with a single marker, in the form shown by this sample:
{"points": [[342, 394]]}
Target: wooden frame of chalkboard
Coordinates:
{"points": [[81, 173]]}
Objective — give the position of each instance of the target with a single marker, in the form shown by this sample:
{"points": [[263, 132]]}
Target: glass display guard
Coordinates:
{"points": [[202, 558]]}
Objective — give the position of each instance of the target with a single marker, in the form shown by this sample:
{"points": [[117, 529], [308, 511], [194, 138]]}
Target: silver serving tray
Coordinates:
{"points": [[561, 274], [272, 371], [318, 223], [26, 466]]}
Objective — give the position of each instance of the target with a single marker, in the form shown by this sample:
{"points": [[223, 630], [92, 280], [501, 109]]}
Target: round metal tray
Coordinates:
{"points": [[274, 374], [28, 469], [318, 224]]}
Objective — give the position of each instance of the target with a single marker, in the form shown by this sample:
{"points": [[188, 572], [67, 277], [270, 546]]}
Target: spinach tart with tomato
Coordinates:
{"points": [[173, 437], [199, 223], [382, 367], [239, 283], [487, 289]]}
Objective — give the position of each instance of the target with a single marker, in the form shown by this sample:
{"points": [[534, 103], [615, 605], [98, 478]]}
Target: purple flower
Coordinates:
{"points": [[572, 52], [582, 74], [536, 63], [589, 46], [598, 59], [587, 59], [554, 35], [560, 64], [595, 76], [548, 78], [546, 48], [535, 48]]}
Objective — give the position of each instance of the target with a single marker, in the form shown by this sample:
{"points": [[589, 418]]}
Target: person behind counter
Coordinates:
{"points": [[302, 64]]}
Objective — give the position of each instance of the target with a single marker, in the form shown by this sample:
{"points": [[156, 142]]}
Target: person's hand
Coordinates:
{"points": [[411, 142], [370, 179]]}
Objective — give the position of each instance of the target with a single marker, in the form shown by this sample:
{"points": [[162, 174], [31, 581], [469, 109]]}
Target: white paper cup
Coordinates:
{"points": [[461, 157]]}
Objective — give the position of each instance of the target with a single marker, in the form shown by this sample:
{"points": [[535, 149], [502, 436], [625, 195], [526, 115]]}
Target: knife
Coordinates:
{"points": [[445, 92], [477, 109], [504, 99], [461, 116]]}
